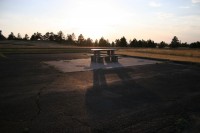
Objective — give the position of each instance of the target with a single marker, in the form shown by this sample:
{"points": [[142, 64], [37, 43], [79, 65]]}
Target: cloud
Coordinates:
{"points": [[154, 4], [195, 1], [184, 7], [163, 15]]}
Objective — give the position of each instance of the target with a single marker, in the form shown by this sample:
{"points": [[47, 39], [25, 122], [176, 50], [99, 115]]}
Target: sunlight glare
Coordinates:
{"points": [[94, 19]]}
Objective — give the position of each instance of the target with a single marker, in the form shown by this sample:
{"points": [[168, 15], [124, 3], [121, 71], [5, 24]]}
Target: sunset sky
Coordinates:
{"points": [[158, 20]]}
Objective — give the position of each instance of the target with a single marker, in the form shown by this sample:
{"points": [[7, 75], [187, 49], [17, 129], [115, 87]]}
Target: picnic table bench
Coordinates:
{"points": [[99, 55]]}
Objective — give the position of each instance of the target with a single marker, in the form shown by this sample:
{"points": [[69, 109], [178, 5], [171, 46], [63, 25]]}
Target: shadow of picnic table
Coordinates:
{"points": [[108, 104]]}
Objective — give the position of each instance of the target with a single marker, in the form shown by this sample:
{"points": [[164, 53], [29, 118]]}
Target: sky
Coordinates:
{"points": [[159, 20]]}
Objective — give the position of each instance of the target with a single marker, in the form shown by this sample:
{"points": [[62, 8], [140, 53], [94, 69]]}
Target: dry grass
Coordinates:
{"points": [[186, 55]]}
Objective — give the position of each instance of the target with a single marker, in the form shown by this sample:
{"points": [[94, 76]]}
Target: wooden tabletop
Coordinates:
{"points": [[110, 49]]}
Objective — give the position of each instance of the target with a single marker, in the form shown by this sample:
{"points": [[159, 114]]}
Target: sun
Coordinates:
{"points": [[93, 19]]}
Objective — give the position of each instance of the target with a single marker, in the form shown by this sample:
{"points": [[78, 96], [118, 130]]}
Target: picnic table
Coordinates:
{"points": [[101, 55]]}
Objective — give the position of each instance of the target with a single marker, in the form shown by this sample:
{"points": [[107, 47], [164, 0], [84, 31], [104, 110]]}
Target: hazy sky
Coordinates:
{"points": [[158, 20]]}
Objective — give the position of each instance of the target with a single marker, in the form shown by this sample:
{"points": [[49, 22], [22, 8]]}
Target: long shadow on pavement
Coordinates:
{"points": [[109, 104]]}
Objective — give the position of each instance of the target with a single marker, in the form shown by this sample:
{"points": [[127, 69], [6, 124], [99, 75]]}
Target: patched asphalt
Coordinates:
{"points": [[80, 65]]}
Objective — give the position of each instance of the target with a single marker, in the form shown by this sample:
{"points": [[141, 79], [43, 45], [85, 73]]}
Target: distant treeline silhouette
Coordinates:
{"points": [[71, 39]]}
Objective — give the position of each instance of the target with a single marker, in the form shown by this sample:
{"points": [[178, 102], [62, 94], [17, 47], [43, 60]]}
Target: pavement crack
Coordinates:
{"points": [[37, 101]]}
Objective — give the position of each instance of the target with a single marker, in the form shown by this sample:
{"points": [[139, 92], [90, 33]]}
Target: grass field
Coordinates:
{"points": [[184, 55]]}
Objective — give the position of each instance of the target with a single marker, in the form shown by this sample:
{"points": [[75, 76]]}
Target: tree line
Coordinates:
{"points": [[81, 41]]}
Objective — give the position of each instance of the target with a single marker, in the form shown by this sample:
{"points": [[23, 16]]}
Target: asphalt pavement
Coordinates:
{"points": [[38, 98]]}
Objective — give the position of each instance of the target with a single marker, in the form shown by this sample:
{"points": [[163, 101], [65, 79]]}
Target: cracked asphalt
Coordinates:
{"points": [[37, 98]]}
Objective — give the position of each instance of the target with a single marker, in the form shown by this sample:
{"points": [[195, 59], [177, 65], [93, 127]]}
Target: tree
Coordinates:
{"points": [[52, 36], [108, 43], [19, 37], [113, 44], [175, 42], [11, 36], [80, 39], [141, 43], [46, 36], [2, 37], [39, 36], [89, 42], [71, 38], [96, 43], [123, 42], [103, 42], [60, 37], [134, 43], [150, 44], [117, 43], [162, 44], [184, 44], [33, 37], [26, 37], [36, 36], [195, 45]]}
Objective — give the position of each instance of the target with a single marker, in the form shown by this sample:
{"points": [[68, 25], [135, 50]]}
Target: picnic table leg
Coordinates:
{"points": [[112, 52], [114, 58], [100, 59], [108, 52], [98, 53], [95, 53], [107, 59], [93, 58]]}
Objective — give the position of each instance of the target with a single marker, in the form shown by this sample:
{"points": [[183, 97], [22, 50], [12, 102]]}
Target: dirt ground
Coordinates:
{"points": [[155, 98]]}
